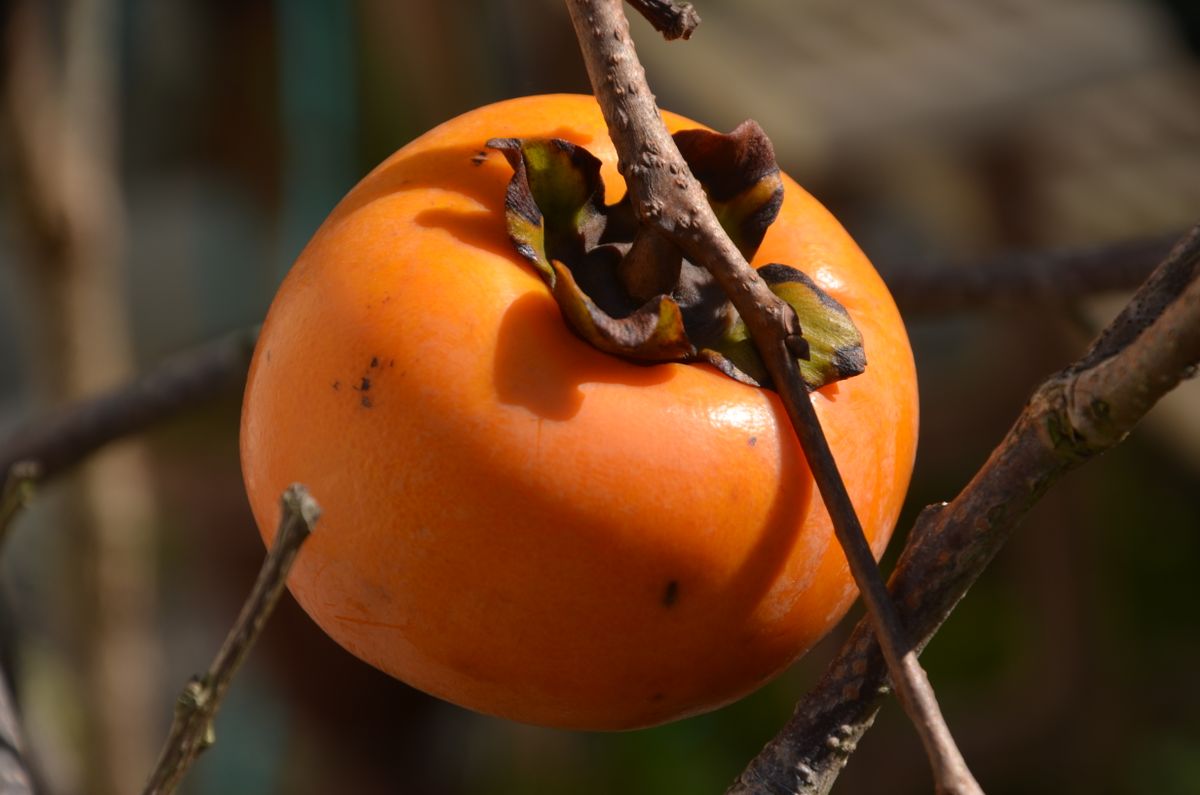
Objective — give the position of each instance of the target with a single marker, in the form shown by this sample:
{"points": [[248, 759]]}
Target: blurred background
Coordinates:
{"points": [[162, 162]]}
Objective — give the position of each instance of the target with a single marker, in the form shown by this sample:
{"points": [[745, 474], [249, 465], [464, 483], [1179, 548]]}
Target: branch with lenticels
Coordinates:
{"points": [[1076, 414], [668, 198]]}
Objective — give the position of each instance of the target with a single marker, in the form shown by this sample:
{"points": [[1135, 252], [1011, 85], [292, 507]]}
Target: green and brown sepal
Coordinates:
{"points": [[628, 292], [556, 216], [740, 177], [835, 348]]}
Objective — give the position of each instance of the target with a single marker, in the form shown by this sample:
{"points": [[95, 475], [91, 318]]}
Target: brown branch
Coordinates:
{"points": [[45, 448], [67, 436], [667, 197], [673, 20], [192, 730], [1161, 289], [1075, 415], [1041, 276], [64, 134]]}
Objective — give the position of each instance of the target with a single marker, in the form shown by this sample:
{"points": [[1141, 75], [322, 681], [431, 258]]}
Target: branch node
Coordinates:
{"points": [[797, 346], [673, 20]]}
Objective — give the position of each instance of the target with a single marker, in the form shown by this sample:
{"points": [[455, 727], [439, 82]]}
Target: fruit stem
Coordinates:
{"points": [[651, 267], [666, 195]]}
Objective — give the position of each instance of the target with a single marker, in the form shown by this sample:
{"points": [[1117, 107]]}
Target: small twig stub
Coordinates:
{"points": [[673, 20]]}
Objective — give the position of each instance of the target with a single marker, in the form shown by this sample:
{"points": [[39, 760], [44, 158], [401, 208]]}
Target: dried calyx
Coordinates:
{"points": [[628, 291]]}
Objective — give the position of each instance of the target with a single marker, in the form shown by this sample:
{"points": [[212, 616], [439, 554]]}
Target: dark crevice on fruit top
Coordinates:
{"points": [[628, 291]]}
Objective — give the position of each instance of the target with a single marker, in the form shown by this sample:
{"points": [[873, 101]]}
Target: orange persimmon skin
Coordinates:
{"points": [[519, 523]]}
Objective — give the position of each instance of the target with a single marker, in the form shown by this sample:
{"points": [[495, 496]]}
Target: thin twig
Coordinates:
{"points": [[673, 20], [1075, 415], [18, 489], [192, 730], [77, 430], [669, 198], [1161, 289], [1043, 276]]}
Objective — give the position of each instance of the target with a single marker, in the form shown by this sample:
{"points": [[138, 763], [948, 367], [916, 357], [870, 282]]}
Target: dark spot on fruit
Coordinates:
{"points": [[753, 440], [671, 594], [374, 361], [366, 402], [479, 158], [391, 362], [659, 696], [365, 385], [337, 385], [268, 355]]}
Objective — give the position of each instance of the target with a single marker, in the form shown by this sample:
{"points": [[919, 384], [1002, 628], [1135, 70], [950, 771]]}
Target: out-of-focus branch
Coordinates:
{"points": [[63, 438], [188, 379], [15, 775], [192, 730], [1073, 416], [75, 431], [1053, 275], [668, 199], [62, 113]]}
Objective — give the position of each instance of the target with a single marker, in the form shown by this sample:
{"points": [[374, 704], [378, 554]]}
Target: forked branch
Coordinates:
{"points": [[1075, 415]]}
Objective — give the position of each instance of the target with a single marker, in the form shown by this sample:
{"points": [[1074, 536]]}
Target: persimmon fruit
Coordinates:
{"points": [[525, 525]]}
